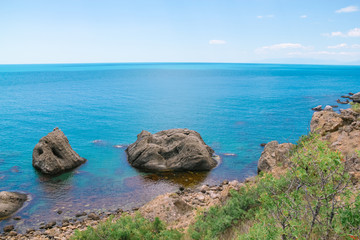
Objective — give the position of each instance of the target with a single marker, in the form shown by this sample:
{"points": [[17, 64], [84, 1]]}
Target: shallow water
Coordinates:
{"points": [[235, 107]]}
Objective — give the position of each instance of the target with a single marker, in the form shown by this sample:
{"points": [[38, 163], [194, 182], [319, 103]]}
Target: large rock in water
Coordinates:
{"points": [[10, 202], [274, 154], [54, 155], [171, 150]]}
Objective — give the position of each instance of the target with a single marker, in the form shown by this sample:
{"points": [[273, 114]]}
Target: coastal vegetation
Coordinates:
{"points": [[355, 107], [312, 199]]}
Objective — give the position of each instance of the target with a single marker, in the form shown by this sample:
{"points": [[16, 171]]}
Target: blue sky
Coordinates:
{"points": [[79, 31]]}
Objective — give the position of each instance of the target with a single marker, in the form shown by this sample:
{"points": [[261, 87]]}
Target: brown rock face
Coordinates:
{"points": [[54, 155], [342, 131], [10, 202], [171, 150], [273, 155]]}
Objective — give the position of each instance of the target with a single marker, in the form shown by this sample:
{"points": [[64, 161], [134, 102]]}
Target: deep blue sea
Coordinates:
{"points": [[235, 108]]}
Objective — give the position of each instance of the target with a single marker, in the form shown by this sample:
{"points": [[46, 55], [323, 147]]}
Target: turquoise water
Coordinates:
{"points": [[235, 107]]}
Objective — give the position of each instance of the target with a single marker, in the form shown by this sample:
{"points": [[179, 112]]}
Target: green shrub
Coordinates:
{"points": [[212, 223], [128, 228], [355, 107]]}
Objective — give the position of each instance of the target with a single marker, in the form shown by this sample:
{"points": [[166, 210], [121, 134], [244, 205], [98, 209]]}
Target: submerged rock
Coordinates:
{"points": [[10, 202], [171, 150], [273, 155], [54, 155]]}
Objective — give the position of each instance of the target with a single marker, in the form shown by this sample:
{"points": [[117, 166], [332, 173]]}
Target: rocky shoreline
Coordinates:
{"points": [[178, 209]]}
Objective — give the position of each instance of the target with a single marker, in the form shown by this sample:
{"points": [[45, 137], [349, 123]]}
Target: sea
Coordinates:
{"points": [[102, 107]]}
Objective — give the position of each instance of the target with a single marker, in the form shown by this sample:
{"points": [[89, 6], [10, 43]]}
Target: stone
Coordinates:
{"points": [[10, 202], [317, 108], [328, 108], [273, 155], [53, 154], [204, 188], [355, 97], [171, 150], [17, 218], [325, 121], [80, 214], [50, 225], [13, 234], [8, 228], [93, 216]]}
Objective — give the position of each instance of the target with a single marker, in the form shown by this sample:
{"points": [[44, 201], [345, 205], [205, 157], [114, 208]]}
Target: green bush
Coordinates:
{"points": [[355, 107], [212, 223], [128, 228]]}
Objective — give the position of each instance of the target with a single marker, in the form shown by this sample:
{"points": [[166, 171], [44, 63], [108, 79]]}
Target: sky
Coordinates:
{"points": [[237, 31]]}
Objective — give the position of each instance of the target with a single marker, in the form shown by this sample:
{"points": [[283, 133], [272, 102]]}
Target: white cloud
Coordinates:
{"points": [[217, 42], [303, 16], [341, 45], [351, 33], [354, 32], [282, 46], [355, 46], [347, 9], [266, 16]]}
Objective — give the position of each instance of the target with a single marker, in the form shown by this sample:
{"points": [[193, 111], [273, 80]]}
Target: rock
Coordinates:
{"points": [[342, 132], [355, 97], [8, 228], [262, 144], [17, 218], [171, 150], [10, 202], [317, 108], [274, 154], [181, 188], [80, 214], [328, 108], [225, 182], [325, 121], [343, 102], [12, 233], [30, 230], [204, 188], [54, 155], [93, 216], [59, 211], [50, 225]]}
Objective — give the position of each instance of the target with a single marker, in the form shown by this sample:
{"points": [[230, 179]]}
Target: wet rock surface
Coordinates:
{"points": [[53, 154], [10, 202], [171, 150]]}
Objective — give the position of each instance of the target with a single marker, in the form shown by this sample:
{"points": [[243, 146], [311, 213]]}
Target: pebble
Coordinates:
{"points": [[93, 216], [50, 225], [8, 228], [80, 214], [17, 218]]}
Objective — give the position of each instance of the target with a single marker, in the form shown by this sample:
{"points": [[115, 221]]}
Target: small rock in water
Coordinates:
{"points": [[80, 214], [120, 146], [12, 233], [93, 216], [50, 225], [17, 218], [59, 211], [317, 108], [30, 230], [334, 106], [8, 228], [262, 144], [230, 154], [328, 108]]}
